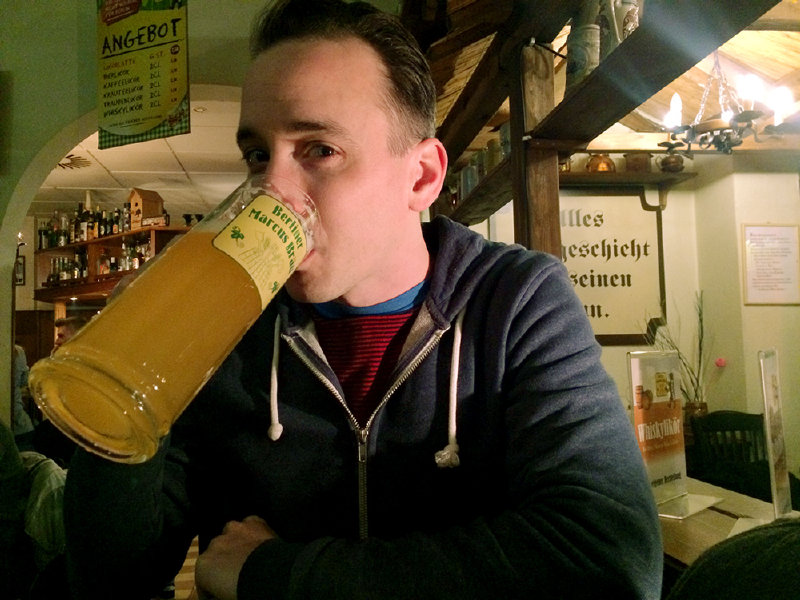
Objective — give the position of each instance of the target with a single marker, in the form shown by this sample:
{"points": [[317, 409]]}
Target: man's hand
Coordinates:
{"points": [[217, 569]]}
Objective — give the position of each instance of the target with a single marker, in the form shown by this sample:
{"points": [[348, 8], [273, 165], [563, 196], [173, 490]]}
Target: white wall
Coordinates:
{"points": [[680, 281]]}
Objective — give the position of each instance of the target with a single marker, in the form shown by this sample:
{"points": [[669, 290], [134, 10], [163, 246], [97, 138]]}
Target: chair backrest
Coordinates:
{"points": [[730, 436]]}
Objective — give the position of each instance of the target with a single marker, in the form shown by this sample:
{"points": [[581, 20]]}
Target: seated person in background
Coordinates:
{"points": [[47, 439], [762, 563], [436, 422], [32, 564], [66, 327], [20, 419]]}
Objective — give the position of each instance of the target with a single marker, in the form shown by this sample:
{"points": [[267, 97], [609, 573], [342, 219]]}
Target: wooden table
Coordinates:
{"points": [[686, 539]]}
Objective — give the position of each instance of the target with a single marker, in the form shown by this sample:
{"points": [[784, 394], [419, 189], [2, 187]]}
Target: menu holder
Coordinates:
{"points": [[773, 423], [686, 505], [658, 424]]}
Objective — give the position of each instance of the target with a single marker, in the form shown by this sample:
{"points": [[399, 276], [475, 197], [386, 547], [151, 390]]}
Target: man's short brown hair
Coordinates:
{"points": [[412, 95]]}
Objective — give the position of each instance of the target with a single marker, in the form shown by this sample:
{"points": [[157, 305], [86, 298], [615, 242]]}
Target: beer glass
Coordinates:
{"points": [[119, 384]]}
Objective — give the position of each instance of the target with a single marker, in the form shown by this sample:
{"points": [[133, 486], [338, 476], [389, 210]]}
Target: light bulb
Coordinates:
{"points": [[750, 88], [674, 117], [727, 116], [780, 101]]}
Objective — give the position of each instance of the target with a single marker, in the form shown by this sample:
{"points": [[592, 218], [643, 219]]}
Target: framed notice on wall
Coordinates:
{"points": [[612, 247], [771, 264]]}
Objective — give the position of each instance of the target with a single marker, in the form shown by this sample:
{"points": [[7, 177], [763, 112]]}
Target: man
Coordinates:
{"points": [[22, 425], [31, 523], [437, 423], [47, 439], [66, 327]]}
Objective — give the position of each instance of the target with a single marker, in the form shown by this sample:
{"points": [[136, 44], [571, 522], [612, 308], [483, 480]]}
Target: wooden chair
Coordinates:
{"points": [[731, 452], [729, 436]]}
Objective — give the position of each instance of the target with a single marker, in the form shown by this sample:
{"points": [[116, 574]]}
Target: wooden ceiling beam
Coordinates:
{"points": [[783, 17], [468, 24], [488, 88], [671, 38]]}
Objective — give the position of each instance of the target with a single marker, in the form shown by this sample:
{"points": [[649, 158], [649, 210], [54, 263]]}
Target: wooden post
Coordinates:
{"points": [[534, 168]]}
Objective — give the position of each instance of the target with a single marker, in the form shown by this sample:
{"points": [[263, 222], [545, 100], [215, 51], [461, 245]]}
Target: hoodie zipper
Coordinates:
{"points": [[362, 434]]}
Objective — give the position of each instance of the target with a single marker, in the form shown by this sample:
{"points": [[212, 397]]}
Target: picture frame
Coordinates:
{"points": [[614, 256], [19, 271], [771, 264]]}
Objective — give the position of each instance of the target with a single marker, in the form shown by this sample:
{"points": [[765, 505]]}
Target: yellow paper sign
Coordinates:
{"points": [[143, 87]]}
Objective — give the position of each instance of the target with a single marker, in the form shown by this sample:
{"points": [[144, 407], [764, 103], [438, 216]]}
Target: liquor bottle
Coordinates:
{"points": [[97, 218], [115, 223], [144, 250], [73, 226], [83, 224], [103, 262], [117, 386], [52, 228], [43, 235], [63, 229], [125, 218], [103, 224], [135, 257], [52, 275], [90, 226], [63, 274], [124, 257], [76, 224]]}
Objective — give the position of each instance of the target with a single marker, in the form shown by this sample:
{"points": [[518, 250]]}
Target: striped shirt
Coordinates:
{"points": [[363, 351]]}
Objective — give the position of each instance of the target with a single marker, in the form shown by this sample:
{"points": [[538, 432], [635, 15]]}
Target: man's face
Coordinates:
{"points": [[62, 335], [314, 112]]}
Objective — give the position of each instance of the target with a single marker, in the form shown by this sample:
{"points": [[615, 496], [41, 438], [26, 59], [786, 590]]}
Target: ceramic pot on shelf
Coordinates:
{"points": [[670, 163], [600, 163]]}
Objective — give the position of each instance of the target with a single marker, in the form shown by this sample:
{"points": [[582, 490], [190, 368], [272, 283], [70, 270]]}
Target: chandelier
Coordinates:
{"points": [[740, 109]]}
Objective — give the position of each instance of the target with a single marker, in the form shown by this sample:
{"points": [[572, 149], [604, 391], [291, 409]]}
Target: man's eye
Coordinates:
{"points": [[254, 158], [321, 151]]}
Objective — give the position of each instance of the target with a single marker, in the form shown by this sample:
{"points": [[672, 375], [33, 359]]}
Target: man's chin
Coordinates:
{"points": [[300, 291]]}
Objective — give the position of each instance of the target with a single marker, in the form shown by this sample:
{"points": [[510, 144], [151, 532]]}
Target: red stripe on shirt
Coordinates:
{"points": [[363, 351]]}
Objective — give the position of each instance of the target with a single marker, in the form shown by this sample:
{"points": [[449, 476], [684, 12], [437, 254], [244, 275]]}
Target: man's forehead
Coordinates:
{"points": [[309, 70]]}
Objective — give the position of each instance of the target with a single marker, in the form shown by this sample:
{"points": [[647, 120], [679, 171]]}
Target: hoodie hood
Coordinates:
{"points": [[459, 265]]}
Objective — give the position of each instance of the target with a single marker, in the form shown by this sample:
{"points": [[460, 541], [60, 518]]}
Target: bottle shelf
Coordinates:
{"points": [[113, 239], [95, 285]]}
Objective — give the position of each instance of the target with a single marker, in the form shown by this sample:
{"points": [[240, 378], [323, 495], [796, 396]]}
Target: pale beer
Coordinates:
{"points": [[119, 384]]}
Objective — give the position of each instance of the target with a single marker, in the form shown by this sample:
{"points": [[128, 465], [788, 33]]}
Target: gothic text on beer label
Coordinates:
{"points": [[267, 240]]}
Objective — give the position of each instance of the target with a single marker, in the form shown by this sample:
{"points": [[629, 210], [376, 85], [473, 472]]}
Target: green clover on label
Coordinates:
{"points": [[237, 235], [275, 286]]}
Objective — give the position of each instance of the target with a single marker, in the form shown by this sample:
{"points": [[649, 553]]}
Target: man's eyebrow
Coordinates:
{"points": [[244, 134], [247, 133]]}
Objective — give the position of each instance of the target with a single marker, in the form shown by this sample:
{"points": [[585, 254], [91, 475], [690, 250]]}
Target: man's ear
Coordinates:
{"points": [[430, 169]]}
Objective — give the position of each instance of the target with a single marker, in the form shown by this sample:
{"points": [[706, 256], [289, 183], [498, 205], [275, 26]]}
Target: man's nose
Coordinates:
{"points": [[281, 166], [285, 176]]}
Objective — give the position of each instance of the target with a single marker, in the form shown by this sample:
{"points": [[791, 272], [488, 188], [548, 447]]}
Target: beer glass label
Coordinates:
{"points": [[268, 241]]}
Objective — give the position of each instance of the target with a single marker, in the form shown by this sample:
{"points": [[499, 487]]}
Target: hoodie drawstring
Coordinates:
{"points": [[275, 427], [448, 456]]}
